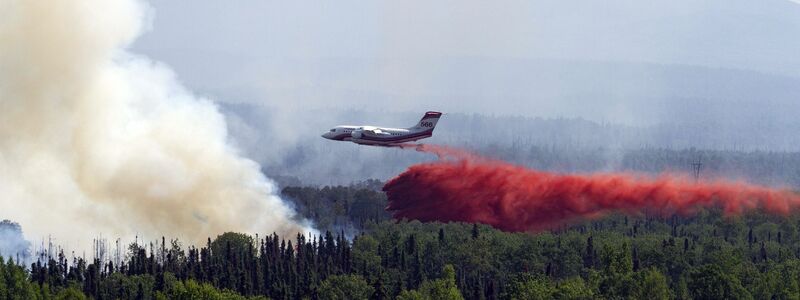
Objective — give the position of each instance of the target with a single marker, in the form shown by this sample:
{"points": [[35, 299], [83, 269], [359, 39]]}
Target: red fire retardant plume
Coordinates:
{"points": [[463, 187]]}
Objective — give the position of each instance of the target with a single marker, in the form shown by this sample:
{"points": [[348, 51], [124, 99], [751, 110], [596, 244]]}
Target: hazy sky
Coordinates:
{"points": [[535, 58]]}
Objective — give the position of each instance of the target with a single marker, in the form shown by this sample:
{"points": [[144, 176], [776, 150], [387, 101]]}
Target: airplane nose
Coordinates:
{"points": [[326, 135]]}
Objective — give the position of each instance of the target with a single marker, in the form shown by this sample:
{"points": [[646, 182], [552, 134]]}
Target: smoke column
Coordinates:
{"points": [[94, 139], [12, 244], [464, 187]]}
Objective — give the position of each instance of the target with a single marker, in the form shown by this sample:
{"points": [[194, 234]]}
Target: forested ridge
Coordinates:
{"points": [[704, 256], [756, 166]]}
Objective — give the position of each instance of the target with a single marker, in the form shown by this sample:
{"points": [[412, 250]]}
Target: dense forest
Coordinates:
{"points": [[340, 208], [703, 256]]}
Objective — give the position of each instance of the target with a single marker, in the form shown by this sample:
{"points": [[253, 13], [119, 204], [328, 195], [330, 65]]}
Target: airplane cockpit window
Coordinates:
{"points": [[333, 130]]}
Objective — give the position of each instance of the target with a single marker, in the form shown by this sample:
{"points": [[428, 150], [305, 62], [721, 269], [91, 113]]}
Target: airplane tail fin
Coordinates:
{"points": [[428, 121]]}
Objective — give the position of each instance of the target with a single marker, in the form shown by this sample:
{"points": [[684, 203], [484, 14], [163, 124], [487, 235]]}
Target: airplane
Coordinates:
{"points": [[386, 137]]}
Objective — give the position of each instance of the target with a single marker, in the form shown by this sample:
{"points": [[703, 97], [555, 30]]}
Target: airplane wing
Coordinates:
{"points": [[377, 132]]}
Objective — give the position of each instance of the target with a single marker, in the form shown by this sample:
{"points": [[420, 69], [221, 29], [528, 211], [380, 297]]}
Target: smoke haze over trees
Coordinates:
{"points": [[559, 144], [13, 243]]}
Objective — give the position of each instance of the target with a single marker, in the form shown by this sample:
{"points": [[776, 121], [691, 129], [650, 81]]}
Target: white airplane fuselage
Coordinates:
{"points": [[385, 136]]}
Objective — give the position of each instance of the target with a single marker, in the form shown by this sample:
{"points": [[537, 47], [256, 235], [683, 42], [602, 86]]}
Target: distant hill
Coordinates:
{"points": [[560, 144]]}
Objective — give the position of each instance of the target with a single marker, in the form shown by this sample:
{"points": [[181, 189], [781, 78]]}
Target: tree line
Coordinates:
{"points": [[707, 255]]}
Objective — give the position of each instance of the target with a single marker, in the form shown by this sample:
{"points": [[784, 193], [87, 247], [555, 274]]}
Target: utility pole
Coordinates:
{"points": [[696, 167]]}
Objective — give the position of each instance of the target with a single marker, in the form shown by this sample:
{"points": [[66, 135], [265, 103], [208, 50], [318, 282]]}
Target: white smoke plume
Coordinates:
{"points": [[94, 139], [13, 244]]}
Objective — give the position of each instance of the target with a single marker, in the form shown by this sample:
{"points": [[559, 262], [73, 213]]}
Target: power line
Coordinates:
{"points": [[696, 167]]}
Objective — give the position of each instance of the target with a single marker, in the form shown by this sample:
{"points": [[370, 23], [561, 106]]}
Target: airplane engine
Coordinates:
{"points": [[356, 134]]}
